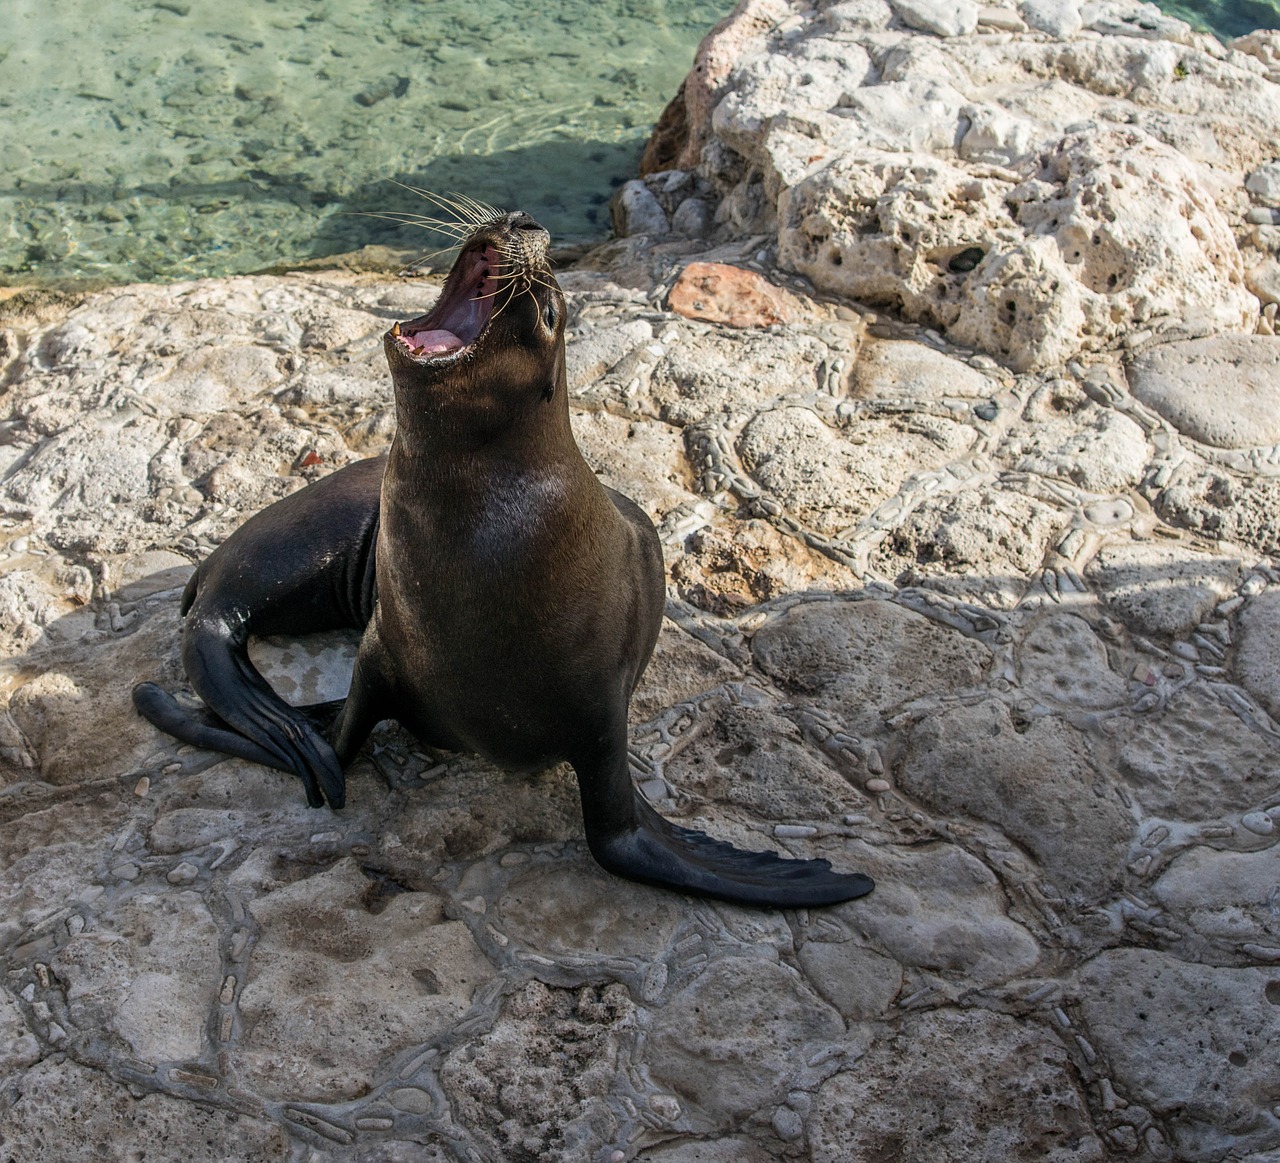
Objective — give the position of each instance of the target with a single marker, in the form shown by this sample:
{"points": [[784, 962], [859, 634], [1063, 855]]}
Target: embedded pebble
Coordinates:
{"points": [[183, 873], [1259, 823], [411, 1100]]}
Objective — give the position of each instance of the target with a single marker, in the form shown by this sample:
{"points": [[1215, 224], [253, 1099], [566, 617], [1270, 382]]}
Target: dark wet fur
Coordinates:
{"points": [[509, 603]]}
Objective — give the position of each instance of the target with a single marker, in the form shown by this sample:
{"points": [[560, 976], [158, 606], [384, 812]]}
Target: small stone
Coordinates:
{"points": [[665, 1106], [787, 1123], [1005, 19], [1264, 183], [692, 219], [941, 17], [380, 90], [637, 211], [878, 786], [183, 873], [1259, 823], [1262, 216], [794, 831], [412, 1100], [143, 786], [374, 1123], [128, 871], [1056, 17]]}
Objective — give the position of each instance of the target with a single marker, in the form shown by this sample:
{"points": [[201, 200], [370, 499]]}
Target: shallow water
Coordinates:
{"points": [[161, 139]]}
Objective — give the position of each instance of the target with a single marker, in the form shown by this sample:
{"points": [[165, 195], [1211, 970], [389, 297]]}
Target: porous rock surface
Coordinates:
{"points": [[998, 629]]}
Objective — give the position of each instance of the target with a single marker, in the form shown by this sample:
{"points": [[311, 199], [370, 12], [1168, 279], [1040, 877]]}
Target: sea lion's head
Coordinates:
{"points": [[493, 343]]}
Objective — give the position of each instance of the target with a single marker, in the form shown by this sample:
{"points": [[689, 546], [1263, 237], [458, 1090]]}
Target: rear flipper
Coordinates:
{"points": [[249, 719], [203, 728], [627, 837]]}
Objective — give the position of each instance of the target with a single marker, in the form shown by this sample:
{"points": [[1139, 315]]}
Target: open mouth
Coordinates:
{"points": [[465, 307]]}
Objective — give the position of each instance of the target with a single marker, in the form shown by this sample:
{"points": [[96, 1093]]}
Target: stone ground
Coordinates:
{"points": [[1005, 640]]}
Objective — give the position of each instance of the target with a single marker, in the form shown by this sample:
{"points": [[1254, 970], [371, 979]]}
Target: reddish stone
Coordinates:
{"points": [[718, 293]]}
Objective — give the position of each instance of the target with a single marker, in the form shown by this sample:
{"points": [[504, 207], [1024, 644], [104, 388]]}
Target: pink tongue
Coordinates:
{"points": [[431, 342]]}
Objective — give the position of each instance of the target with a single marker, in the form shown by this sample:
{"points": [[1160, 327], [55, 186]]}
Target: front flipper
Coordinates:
{"points": [[627, 837]]}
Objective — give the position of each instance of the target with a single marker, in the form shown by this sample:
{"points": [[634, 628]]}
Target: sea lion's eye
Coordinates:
{"points": [[549, 316]]}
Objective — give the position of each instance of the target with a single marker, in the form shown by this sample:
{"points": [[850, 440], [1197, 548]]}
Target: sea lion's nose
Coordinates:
{"points": [[522, 221]]}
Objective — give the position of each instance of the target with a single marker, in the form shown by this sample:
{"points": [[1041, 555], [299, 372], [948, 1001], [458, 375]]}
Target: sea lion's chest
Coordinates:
{"points": [[495, 615]]}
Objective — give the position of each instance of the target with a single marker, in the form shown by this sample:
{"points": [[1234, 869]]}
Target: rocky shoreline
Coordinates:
{"points": [[938, 341]]}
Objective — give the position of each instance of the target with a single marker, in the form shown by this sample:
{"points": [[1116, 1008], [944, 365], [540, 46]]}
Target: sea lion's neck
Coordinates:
{"points": [[465, 438]]}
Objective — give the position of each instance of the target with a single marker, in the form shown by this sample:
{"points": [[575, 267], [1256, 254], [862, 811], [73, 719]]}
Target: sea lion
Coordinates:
{"points": [[509, 601]]}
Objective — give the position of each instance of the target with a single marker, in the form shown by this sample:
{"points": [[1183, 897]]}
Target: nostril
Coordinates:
{"points": [[522, 221]]}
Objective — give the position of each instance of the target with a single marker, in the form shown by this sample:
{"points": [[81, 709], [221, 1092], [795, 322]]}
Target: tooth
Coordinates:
{"points": [[396, 330]]}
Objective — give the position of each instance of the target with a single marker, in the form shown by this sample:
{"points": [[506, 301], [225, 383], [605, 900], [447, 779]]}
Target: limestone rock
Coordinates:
{"points": [[755, 759], [636, 211], [895, 369], [537, 1081], [1162, 589], [1074, 439], [555, 911], [1084, 231], [1176, 1031], [977, 544], [942, 910], [1264, 184], [711, 372], [1221, 391], [1064, 662], [1056, 17], [58, 1095], [865, 654], [1258, 654], [829, 482], [1224, 896], [857, 980], [757, 1018], [727, 570], [315, 1033], [1223, 506], [1191, 761], [1036, 780], [730, 1150], [901, 1101], [149, 973], [643, 458]]}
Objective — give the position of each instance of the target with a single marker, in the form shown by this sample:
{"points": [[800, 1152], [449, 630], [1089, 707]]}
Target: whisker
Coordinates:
{"points": [[414, 220], [426, 258], [449, 205], [489, 213]]}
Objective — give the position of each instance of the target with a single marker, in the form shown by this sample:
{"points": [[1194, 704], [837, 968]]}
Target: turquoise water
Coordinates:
{"points": [[161, 139], [1226, 18]]}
